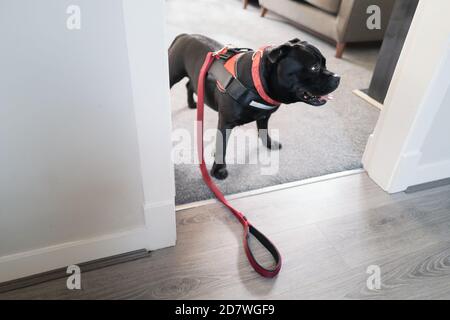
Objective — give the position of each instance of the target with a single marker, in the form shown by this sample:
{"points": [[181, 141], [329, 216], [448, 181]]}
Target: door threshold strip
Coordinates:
{"points": [[278, 187]]}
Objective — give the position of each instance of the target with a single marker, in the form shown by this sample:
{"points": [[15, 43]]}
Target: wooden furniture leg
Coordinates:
{"points": [[263, 11], [340, 46]]}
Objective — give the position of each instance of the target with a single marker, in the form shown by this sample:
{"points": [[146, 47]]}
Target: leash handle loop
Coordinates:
{"points": [[248, 228]]}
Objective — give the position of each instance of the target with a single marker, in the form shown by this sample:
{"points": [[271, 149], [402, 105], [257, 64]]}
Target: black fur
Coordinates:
{"points": [[292, 72]]}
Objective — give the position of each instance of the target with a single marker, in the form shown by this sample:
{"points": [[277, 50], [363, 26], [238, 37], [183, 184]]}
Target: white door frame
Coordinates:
{"points": [[418, 87], [149, 71]]}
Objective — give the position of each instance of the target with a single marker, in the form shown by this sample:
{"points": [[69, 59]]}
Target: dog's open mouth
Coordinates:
{"points": [[315, 100]]}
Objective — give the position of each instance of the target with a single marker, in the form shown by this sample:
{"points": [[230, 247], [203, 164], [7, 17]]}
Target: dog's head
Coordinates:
{"points": [[299, 73]]}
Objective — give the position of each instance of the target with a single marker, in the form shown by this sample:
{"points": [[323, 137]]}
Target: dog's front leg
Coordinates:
{"points": [[219, 168], [263, 134]]}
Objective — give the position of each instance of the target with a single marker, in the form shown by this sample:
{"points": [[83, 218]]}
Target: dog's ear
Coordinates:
{"points": [[294, 41], [276, 53]]}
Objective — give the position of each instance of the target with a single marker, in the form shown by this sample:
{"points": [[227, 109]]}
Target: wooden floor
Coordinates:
{"points": [[328, 233]]}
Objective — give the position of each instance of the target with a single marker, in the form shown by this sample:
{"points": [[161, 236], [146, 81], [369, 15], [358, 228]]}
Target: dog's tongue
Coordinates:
{"points": [[327, 97]]}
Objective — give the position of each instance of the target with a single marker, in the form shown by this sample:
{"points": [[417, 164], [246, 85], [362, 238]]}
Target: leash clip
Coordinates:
{"points": [[221, 51]]}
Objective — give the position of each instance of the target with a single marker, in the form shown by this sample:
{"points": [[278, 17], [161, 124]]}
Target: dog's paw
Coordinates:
{"points": [[269, 143], [275, 145], [219, 172], [192, 105]]}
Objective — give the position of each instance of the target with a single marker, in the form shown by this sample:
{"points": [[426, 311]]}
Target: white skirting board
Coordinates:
{"points": [[61, 255], [432, 172], [368, 99]]}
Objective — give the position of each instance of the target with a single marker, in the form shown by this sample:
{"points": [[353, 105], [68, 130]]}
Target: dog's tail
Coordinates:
{"points": [[176, 65]]}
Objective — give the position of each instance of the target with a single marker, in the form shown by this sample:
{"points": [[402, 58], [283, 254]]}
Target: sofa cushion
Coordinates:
{"points": [[331, 6]]}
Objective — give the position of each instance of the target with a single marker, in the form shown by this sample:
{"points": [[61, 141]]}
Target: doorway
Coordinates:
{"points": [[315, 142]]}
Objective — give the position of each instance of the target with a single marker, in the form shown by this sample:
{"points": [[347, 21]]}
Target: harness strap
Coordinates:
{"points": [[224, 71], [248, 227], [231, 64]]}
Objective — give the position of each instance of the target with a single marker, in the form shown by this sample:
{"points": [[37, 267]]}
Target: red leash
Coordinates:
{"points": [[248, 227]]}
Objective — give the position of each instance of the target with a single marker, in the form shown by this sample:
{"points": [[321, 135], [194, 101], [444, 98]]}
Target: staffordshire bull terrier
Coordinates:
{"points": [[291, 72]]}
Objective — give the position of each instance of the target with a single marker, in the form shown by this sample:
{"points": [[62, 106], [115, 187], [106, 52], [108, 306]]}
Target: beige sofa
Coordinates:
{"points": [[339, 21]]}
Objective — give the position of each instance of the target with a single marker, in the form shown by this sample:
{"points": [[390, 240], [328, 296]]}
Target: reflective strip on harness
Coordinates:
{"points": [[262, 106]]}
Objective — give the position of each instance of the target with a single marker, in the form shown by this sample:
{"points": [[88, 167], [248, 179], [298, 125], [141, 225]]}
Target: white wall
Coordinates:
{"points": [[82, 175], [410, 144]]}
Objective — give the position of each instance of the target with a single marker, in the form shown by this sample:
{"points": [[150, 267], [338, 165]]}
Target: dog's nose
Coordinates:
{"points": [[336, 79]]}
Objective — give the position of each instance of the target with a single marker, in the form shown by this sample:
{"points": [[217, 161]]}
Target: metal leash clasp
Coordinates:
{"points": [[221, 51]]}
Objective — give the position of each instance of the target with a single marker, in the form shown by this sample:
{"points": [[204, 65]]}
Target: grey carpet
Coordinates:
{"points": [[316, 141]]}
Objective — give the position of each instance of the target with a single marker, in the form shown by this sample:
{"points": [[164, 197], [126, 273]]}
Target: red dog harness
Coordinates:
{"points": [[224, 70], [248, 227], [256, 66]]}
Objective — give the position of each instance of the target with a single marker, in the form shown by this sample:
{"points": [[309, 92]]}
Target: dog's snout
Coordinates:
{"points": [[333, 77], [336, 79]]}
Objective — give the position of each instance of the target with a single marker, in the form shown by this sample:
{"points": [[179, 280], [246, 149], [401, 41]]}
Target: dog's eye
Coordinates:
{"points": [[315, 68]]}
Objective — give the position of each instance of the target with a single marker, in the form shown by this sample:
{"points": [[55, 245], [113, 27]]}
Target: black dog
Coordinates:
{"points": [[292, 72]]}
